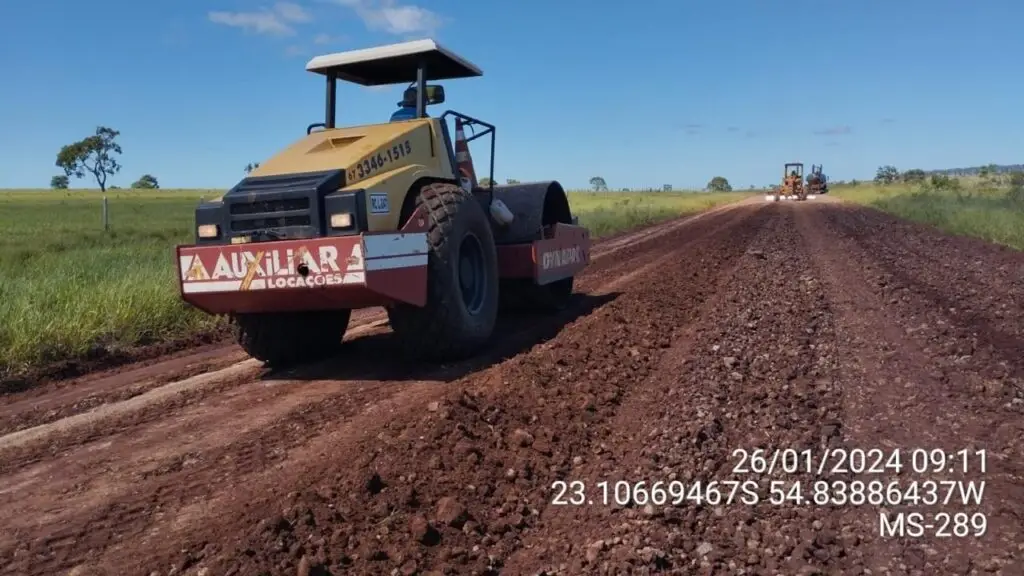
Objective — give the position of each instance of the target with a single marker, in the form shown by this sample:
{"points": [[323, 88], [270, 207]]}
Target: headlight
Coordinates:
{"points": [[209, 231], [341, 220]]}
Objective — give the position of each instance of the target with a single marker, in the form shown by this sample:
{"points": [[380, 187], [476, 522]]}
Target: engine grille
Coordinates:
{"points": [[286, 205], [269, 223], [267, 206]]}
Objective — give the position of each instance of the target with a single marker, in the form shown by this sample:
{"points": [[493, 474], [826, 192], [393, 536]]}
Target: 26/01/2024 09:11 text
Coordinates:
{"points": [[832, 461]]}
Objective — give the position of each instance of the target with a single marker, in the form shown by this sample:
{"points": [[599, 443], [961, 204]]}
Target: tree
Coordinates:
{"points": [[93, 154], [914, 176], [485, 182], [599, 184], [944, 182], [991, 174], [1017, 179], [1016, 192], [719, 184], [887, 174], [146, 182], [59, 182], [251, 166], [511, 181]]}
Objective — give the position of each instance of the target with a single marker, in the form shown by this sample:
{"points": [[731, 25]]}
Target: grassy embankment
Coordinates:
{"points": [[986, 209], [69, 289]]}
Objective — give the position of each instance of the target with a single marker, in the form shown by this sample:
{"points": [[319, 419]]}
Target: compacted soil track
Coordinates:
{"points": [[809, 327]]}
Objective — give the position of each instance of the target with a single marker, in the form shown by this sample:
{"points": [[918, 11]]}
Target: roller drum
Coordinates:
{"points": [[533, 205]]}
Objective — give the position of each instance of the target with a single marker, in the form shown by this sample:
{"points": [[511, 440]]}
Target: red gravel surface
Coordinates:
{"points": [[810, 327]]}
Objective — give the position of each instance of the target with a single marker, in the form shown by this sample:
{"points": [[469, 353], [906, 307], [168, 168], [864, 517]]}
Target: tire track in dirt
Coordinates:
{"points": [[613, 243], [63, 399], [158, 403], [970, 283], [997, 269], [189, 465], [908, 386]]}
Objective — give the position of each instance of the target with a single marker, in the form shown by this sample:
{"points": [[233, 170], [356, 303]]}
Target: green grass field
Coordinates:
{"points": [[68, 288], [975, 209]]}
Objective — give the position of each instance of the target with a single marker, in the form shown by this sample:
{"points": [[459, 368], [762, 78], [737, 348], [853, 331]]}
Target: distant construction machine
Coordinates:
{"points": [[792, 187], [384, 214], [817, 182]]}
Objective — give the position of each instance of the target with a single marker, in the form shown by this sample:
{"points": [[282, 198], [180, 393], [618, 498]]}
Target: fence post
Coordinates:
{"points": [[106, 216]]}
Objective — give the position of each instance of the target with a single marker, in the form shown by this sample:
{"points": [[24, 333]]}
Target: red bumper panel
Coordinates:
{"points": [[564, 254], [561, 256], [313, 274]]}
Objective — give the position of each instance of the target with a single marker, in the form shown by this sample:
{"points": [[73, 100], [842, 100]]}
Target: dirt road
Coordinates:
{"points": [[805, 329]]}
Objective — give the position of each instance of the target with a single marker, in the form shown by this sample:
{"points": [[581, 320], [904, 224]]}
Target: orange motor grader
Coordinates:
{"points": [[792, 187]]}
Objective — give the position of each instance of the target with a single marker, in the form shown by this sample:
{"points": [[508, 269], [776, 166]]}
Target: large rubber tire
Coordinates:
{"points": [[288, 338], [461, 245]]}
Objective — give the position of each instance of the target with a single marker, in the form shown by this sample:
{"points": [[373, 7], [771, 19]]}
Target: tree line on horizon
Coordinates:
{"points": [[889, 174], [95, 156]]}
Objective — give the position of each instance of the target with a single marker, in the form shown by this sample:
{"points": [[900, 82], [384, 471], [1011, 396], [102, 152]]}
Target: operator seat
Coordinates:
{"points": [[407, 107]]}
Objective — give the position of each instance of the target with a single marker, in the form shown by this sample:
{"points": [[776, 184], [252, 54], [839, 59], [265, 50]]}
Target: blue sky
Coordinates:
{"points": [[642, 93]]}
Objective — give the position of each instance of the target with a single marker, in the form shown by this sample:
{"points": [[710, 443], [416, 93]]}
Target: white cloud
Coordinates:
{"points": [[404, 20], [274, 22], [323, 39], [392, 17], [260, 22], [292, 12]]}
